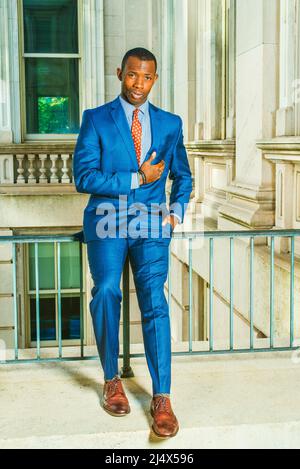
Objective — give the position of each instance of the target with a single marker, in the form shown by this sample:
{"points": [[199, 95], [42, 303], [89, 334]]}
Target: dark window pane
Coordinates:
{"points": [[47, 318], [46, 266], [52, 101], [50, 26], [70, 268], [70, 307]]}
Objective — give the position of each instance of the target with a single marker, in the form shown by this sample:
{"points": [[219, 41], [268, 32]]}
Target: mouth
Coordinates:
{"points": [[136, 95]]}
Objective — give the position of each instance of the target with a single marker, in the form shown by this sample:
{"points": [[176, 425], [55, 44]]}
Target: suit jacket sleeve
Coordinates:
{"points": [[88, 176], [180, 174]]}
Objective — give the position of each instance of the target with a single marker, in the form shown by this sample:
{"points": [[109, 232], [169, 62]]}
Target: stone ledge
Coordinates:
{"points": [[224, 402], [38, 189], [265, 436], [37, 147]]}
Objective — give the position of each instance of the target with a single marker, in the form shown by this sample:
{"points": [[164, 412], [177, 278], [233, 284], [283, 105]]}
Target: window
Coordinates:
{"points": [[51, 67], [48, 292]]}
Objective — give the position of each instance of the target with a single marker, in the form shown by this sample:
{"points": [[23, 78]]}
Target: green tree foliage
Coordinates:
{"points": [[53, 115]]}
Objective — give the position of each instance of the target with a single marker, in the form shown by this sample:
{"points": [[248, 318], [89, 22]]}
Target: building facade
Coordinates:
{"points": [[230, 69]]}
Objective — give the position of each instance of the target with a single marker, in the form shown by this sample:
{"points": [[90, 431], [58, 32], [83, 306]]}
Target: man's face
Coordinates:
{"points": [[137, 80]]}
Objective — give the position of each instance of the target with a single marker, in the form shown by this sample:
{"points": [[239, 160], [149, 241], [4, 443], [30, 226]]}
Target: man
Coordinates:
{"points": [[124, 153]]}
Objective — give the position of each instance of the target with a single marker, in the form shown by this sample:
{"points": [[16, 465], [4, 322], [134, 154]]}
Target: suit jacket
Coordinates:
{"points": [[105, 158]]}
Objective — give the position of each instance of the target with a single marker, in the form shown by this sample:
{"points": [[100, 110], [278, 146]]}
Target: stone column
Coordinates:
{"points": [[297, 81], [167, 56], [200, 71], [5, 112], [230, 74], [210, 74], [93, 54], [251, 200], [185, 22], [285, 117], [215, 61]]}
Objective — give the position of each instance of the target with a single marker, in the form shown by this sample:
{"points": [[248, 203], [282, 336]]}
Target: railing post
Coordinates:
{"points": [[190, 296], [37, 299], [292, 292], [272, 294], [81, 302], [211, 294], [231, 333], [251, 293], [126, 371], [16, 322], [59, 300]]}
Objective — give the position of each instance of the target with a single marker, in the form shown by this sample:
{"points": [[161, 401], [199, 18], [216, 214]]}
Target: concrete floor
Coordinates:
{"points": [[220, 402]]}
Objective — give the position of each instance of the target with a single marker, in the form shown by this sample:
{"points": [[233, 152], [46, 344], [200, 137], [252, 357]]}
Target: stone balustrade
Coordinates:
{"points": [[36, 164], [284, 153], [213, 167]]}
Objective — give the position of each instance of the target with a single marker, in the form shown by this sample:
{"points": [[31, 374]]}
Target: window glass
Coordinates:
{"points": [[52, 100], [50, 26], [47, 318], [70, 310], [70, 265], [70, 300], [46, 266]]}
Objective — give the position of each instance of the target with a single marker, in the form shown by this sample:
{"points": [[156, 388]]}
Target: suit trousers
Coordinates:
{"points": [[149, 262]]}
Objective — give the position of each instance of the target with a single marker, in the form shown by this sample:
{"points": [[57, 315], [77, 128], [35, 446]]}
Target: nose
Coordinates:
{"points": [[139, 84]]}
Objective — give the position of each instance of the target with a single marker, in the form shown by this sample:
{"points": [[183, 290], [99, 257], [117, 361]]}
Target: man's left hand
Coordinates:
{"points": [[170, 219]]}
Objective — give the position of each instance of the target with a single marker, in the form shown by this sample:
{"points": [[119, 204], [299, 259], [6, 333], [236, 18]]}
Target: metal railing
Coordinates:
{"points": [[36, 241], [211, 236]]}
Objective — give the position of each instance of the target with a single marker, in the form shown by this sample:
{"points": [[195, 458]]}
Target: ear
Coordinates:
{"points": [[119, 73]]}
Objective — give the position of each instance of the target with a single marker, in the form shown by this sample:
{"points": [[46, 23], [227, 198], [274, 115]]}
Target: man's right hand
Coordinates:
{"points": [[152, 172]]}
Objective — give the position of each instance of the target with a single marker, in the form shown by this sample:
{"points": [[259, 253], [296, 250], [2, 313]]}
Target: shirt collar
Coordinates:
{"points": [[129, 108]]}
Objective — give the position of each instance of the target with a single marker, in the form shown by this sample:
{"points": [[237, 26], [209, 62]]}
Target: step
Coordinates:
{"points": [[237, 401]]}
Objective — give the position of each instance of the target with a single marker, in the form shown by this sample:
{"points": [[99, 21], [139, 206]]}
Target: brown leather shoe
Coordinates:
{"points": [[165, 423], [115, 401]]}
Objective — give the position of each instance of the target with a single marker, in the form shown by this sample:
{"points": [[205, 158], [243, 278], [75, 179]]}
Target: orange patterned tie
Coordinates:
{"points": [[136, 132]]}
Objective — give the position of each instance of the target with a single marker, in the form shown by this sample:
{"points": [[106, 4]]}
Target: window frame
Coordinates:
{"points": [[29, 137], [50, 293]]}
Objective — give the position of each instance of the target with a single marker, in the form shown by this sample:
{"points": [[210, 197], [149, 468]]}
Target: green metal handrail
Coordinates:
{"points": [[190, 236]]}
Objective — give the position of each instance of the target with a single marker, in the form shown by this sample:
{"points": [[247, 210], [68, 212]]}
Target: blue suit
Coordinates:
{"points": [[104, 161]]}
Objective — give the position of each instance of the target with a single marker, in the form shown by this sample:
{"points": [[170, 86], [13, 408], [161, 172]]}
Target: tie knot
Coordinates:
{"points": [[135, 112]]}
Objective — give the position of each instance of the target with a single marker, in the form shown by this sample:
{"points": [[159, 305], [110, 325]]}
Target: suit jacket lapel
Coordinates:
{"points": [[155, 130], [119, 118]]}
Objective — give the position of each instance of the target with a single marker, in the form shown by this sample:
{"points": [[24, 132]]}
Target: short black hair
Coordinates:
{"points": [[140, 53]]}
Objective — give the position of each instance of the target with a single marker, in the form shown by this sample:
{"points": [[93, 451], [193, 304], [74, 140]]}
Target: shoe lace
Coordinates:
{"points": [[162, 404], [115, 385]]}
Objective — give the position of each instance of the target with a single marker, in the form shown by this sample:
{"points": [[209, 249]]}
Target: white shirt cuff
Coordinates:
{"points": [[177, 216], [135, 181]]}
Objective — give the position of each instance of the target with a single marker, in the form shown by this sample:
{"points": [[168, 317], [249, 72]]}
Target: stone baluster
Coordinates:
{"points": [[31, 170], [43, 178], [6, 169], [20, 169], [65, 178], [53, 169]]}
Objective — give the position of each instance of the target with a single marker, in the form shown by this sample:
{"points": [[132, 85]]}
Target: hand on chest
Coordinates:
{"points": [[120, 146]]}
